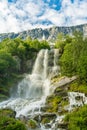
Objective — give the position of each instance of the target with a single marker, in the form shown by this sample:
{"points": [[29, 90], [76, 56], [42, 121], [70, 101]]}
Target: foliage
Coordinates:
{"points": [[44, 45], [45, 120], [77, 119], [7, 64], [78, 87], [62, 40], [53, 101], [8, 121], [11, 124], [7, 113], [74, 58], [67, 61], [32, 124], [15, 55]]}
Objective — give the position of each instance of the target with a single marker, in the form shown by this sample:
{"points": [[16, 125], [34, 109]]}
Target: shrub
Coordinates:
{"points": [[77, 120]]}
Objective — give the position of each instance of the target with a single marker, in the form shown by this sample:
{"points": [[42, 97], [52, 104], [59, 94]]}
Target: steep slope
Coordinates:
{"points": [[48, 33]]}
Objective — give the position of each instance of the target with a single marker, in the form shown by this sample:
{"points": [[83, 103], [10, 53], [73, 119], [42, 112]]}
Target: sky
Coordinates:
{"points": [[20, 15]]}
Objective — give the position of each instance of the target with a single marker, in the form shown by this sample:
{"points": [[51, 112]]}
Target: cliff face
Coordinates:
{"points": [[48, 33]]}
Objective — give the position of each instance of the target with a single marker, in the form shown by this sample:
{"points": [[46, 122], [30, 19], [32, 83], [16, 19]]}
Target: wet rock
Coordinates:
{"points": [[62, 110], [32, 124], [23, 118], [49, 116], [37, 117], [45, 108], [63, 125], [79, 98], [61, 93], [45, 120], [63, 82], [47, 126], [58, 90], [86, 94], [65, 98]]}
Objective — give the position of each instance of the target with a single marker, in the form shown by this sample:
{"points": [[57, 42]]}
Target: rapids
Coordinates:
{"points": [[30, 95], [31, 92]]}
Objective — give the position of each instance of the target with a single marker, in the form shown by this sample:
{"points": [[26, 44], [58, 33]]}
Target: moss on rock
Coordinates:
{"points": [[7, 113], [77, 87], [45, 120], [8, 121], [53, 101], [32, 124]]}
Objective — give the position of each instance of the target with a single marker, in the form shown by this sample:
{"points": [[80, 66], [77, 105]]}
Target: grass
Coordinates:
{"points": [[77, 87], [77, 120]]}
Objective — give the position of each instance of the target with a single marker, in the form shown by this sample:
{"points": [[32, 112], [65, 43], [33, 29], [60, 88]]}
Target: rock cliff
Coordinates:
{"points": [[48, 33]]}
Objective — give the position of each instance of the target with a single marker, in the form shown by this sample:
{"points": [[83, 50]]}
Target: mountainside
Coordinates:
{"points": [[44, 87], [48, 33]]}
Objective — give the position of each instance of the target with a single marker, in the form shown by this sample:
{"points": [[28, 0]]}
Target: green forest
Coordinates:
{"points": [[15, 55], [73, 61]]}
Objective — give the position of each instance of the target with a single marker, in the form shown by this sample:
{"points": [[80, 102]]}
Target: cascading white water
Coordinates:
{"points": [[56, 67], [45, 64], [76, 99], [32, 90], [38, 66]]}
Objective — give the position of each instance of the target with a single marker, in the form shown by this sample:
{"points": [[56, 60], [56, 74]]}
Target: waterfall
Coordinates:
{"points": [[56, 68], [41, 64], [81, 100], [38, 66], [32, 91], [45, 64], [33, 85], [30, 94]]}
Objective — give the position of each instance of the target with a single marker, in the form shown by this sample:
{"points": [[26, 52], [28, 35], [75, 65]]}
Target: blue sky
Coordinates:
{"points": [[19, 15]]}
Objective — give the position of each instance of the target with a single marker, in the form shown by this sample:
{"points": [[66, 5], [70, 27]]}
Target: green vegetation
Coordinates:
{"points": [[57, 101], [73, 60], [32, 124], [76, 86], [53, 101], [77, 120], [7, 113], [8, 121], [17, 56], [11, 124], [61, 41], [45, 120]]}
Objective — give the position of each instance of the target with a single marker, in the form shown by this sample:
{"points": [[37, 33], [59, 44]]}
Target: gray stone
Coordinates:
{"points": [[49, 34]]}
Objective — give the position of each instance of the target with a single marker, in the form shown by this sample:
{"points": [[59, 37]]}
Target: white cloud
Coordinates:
{"points": [[27, 14], [75, 12]]}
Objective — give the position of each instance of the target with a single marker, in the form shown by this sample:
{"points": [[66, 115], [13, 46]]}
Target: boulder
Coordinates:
{"points": [[79, 98], [23, 118], [49, 116], [32, 124], [63, 125]]}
